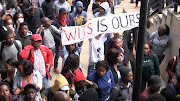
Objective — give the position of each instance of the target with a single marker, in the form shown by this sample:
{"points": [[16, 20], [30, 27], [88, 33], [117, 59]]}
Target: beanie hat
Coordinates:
{"points": [[155, 81], [124, 70], [78, 76]]}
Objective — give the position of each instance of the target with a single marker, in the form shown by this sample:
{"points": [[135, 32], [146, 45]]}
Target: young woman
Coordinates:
{"points": [[103, 77], [150, 65], [117, 42], [113, 57], [160, 41], [10, 71], [5, 94], [71, 64], [26, 76]]}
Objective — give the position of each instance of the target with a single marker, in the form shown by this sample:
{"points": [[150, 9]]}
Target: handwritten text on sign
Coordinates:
{"points": [[95, 26]]}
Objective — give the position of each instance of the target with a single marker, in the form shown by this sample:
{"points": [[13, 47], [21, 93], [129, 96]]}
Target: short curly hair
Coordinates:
{"points": [[102, 64], [27, 66]]}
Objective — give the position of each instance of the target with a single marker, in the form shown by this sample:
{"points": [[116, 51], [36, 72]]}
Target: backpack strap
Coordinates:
{"points": [[17, 47], [30, 55], [2, 48], [118, 88]]}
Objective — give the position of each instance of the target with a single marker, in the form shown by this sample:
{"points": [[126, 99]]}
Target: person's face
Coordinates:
{"points": [[118, 43], [146, 49], [30, 94], [118, 59], [101, 71], [36, 44], [47, 23], [24, 29], [71, 47], [4, 93], [9, 69], [10, 39], [15, 4], [62, 1], [102, 11], [79, 9], [129, 77], [160, 30], [154, 89], [21, 70]]}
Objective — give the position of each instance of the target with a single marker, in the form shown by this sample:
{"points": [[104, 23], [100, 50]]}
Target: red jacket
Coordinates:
{"points": [[171, 67], [47, 54]]}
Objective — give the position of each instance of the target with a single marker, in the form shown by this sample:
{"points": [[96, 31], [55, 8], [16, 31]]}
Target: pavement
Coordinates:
{"points": [[125, 6]]}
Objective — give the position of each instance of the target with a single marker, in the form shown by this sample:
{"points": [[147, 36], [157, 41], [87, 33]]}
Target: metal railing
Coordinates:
{"points": [[157, 6]]}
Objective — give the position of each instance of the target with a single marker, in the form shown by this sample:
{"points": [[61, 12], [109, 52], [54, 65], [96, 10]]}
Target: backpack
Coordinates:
{"points": [[57, 38], [2, 48]]}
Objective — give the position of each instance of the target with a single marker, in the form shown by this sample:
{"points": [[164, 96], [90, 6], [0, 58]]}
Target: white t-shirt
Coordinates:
{"points": [[39, 63], [57, 5], [96, 49]]}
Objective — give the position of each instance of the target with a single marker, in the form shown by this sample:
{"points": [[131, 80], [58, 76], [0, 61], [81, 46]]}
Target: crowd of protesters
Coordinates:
{"points": [[30, 35]]}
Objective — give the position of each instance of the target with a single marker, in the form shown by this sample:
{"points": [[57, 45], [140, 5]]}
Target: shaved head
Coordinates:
{"points": [[61, 96]]}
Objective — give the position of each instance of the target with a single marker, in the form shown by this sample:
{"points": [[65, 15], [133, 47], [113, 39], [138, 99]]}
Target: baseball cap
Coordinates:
{"points": [[62, 11], [155, 81], [36, 37]]}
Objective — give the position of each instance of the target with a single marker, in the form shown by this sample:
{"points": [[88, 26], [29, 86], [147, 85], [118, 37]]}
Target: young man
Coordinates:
{"points": [[9, 48], [25, 34], [78, 17], [51, 36], [30, 93], [155, 85], [96, 44], [40, 56], [33, 17], [172, 90], [124, 88]]}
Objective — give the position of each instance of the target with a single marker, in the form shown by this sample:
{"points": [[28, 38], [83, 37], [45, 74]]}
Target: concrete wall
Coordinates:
{"points": [[173, 21]]}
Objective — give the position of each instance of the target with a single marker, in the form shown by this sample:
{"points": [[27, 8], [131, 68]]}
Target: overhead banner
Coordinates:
{"points": [[100, 25]]}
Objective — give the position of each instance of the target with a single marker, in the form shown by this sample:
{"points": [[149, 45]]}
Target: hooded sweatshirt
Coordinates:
{"points": [[105, 6], [59, 84], [78, 15]]}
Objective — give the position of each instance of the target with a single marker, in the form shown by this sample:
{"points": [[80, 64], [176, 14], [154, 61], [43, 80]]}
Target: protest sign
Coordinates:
{"points": [[100, 25]]}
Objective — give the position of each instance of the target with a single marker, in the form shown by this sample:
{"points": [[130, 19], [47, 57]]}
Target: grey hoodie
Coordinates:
{"points": [[104, 5]]}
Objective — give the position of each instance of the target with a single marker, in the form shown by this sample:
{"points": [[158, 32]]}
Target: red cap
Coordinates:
{"points": [[78, 76], [36, 37]]}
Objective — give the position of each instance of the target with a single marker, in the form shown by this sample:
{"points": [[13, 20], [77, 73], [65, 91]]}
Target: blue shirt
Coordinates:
{"points": [[105, 83]]}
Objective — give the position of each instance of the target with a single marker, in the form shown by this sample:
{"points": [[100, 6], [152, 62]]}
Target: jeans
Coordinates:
{"points": [[90, 68], [46, 82], [57, 46]]}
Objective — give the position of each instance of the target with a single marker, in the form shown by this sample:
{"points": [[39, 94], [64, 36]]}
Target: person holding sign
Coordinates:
{"points": [[96, 44], [78, 17]]}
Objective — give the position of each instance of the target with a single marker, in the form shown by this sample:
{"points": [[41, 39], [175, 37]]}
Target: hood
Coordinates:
{"points": [[59, 83], [105, 5], [79, 3]]}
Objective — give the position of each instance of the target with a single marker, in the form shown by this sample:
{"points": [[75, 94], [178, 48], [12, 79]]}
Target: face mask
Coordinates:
{"points": [[21, 20]]}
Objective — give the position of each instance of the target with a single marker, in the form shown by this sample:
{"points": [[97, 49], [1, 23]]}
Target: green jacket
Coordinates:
{"points": [[150, 66]]}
